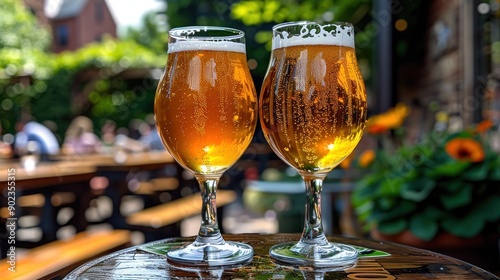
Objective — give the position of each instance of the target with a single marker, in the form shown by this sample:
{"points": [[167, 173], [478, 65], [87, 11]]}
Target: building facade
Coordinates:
{"points": [[74, 23]]}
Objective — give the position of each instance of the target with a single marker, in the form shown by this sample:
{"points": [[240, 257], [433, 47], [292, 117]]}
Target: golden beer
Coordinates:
{"points": [[206, 105], [313, 112], [313, 105]]}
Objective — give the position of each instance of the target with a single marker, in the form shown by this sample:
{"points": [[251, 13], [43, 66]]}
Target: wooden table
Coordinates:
{"points": [[72, 173], [46, 179], [45, 174], [121, 161], [120, 167], [403, 263], [77, 168]]}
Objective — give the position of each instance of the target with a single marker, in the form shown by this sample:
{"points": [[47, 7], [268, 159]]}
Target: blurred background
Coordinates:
{"points": [[103, 58], [430, 68]]}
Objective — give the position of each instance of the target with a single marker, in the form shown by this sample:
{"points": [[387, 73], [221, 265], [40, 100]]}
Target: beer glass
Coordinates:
{"points": [[313, 112], [206, 113]]}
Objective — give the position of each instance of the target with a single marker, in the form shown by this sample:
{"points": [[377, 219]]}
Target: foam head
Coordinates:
{"points": [[311, 33], [206, 38], [196, 45]]}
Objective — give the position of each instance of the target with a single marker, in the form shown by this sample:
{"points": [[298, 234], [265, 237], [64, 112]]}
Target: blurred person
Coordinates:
{"points": [[128, 144], [150, 136], [32, 131], [80, 137], [117, 139], [134, 128], [108, 133]]}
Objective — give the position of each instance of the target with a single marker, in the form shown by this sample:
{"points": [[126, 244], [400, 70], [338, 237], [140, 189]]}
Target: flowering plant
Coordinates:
{"points": [[448, 182]]}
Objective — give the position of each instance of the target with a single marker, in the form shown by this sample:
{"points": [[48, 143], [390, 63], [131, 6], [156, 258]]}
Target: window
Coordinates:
{"points": [[62, 34]]}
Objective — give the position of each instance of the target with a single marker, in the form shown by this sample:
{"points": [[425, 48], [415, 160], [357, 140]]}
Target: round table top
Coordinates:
{"points": [[403, 262]]}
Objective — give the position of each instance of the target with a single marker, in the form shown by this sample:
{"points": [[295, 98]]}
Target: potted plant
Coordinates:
{"points": [[445, 187]]}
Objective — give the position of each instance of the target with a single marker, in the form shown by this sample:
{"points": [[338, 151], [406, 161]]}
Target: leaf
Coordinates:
{"points": [[489, 209], [391, 186], [363, 211], [417, 190], [458, 199], [467, 227], [386, 203], [475, 220], [368, 187], [392, 227], [432, 212], [399, 209], [494, 173], [460, 134], [423, 227], [450, 169], [453, 186], [476, 172]]}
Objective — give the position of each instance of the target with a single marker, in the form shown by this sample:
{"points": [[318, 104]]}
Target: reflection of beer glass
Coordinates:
{"points": [[313, 112], [206, 113]]}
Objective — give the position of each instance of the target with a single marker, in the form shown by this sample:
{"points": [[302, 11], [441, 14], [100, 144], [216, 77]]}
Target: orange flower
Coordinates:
{"points": [[465, 149], [393, 118], [484, 126], [366, 158], [377, 129]]}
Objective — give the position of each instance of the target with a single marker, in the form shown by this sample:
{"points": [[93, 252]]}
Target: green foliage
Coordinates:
{"points": [[264, 14], [22, 45], [150, 34], [423, 226], [97, 80], [256, 18], [106, 80], [20, 29], [115, 54], [426, 189], [22, 59], [257, 12]]}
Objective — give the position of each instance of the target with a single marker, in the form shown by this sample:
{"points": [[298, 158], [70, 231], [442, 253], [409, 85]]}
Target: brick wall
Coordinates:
{"points": [[86, 27]]}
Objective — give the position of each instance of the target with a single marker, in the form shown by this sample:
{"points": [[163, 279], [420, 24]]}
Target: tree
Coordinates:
{"points": [[266, 13], [20, 28], [151, 34], [23, 43], [112, 79], [57, 87], [256, 18]]}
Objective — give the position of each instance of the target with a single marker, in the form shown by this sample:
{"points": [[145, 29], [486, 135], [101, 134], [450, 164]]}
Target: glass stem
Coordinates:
{"points": [[313, 230], [209, 229]]}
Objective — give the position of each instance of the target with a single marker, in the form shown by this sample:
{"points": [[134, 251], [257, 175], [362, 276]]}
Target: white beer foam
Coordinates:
{"points": [[195, 45], [339, 37]]}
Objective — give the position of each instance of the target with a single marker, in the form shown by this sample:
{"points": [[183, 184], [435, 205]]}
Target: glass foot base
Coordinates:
{"points": [[330, 255], [194, 254]]}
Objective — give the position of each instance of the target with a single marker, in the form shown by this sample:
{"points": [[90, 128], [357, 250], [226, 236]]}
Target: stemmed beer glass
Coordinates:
{"points": [[313, 112], [206, 113]]}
